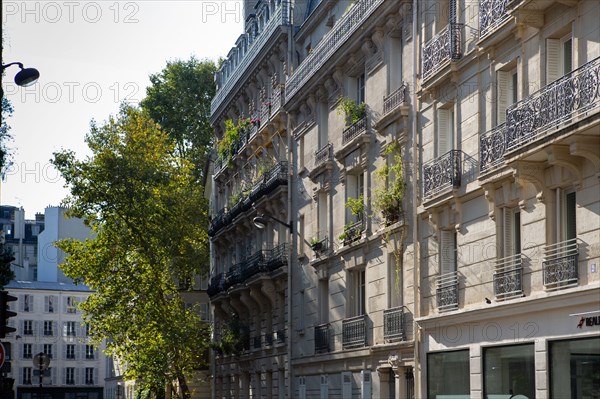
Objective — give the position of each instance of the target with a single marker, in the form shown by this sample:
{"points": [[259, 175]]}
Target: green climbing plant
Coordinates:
{"points": [[352, 111], [387, 197]]}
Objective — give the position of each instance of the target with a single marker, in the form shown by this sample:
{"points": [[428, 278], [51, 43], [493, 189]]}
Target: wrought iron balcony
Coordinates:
{"points": [[321, 245], [276, 176], [563, 102], [277, 99], [354, 332], [393, 324], [444, 47], [278, 256], [442, 173], [354, 131], [492, 14], [279, 18], [255, 264], [508, 277], [395, 99], [447, 292], [352, 232], [560, 265], [216, 285], [323, 155], [348, 23], [492, 145], [234, 276], [217, 222], [322, 338]]}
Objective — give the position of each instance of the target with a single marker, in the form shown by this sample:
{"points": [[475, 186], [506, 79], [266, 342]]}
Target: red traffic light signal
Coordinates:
{"points": [[5, 313]]}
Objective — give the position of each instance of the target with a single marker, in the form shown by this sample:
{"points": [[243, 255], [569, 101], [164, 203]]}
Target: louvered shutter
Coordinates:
{"points": [[444, 141], [324, 387], [552, 60], [571, 208], [346, 385], [504, 94], [365, 380], [448, 253], [508, 238]]}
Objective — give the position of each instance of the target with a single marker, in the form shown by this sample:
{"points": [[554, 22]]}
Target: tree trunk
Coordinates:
{"points": [[183, 387]]}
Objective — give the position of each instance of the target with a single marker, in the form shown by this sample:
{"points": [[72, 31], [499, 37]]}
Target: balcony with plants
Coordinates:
{"points": [[444, 48], [389, 191], [354, 229], [356, 132]]}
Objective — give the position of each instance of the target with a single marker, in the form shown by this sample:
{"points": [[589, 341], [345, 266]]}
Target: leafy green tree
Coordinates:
{"points": [[148, 221], [179, 101]]}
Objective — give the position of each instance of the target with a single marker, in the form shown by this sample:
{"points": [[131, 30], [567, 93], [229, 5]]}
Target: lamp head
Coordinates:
{"points": [[260, 222], [27, 76]]}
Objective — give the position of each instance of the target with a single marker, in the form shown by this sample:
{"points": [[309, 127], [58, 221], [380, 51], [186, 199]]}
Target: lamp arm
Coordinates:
{"points": [[288, 225], [12, 63]]}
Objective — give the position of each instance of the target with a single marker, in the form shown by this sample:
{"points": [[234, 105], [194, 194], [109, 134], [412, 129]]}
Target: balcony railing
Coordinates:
{"points": [[395, 99], [349, 22], [323, 155], [508, 277], [354, 332], [561, 102], [278, 257], [492, 14], [447, 292], [560, 264], [354, 131], [442, 173], [256, 342], [353, 232], [393, 324], [442, 48], [277, 100], [280, 17], [492, 145], [216, 285], [280, 336], [322, 338]]}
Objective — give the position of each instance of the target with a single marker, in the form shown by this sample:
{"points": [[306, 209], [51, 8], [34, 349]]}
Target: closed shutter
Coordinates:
{"points": [[302, 388], [324, 387], [346, 385], [571, 222], [504, 94], [508, 238], [365, 379], [552, 60], [444, 141], [448, 252]]}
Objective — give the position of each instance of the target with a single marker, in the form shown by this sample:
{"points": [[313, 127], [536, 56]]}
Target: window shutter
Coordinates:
{"points": [[443, 133], [302, 388], [365, 379], [448, 252], [570, 204], [452, 11], [324, 387], [504, 94], [508, 232], [346, 385], [552, 60]]}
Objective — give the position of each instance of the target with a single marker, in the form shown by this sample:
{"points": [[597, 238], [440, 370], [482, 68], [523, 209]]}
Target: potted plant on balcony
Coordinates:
{"points": [[387, 198], [351, 111], [316, 244], [357, 208], [228, 144]]}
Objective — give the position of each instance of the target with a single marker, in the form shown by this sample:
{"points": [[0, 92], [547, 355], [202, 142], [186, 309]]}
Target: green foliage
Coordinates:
{"points": [[5, 154], [387, 197], [264, 165], [148, 217], [351, 111], [6, 257], [356, 205], [178, 99], [349, 234], [232, 337]]}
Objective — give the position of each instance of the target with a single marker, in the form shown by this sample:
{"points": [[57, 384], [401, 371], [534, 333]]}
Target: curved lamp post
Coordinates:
{"points": [[25, 77]]}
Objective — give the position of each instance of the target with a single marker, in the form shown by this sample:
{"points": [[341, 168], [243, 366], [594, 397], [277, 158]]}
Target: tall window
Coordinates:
{"points": [[559, 57], [360, 88], [324, 300], [89, 375], [445, 131], [448, 252], [49, 304], [358, 300], [27, 327], [69, 329], [89, 352], [511, 231], [26, 375], [507, 93], [323, 124], [48, 327], [322, 216], [355, 185], [71, 304], [566, 228], [70, 376], [395, 280], [509, 370], [27, 303], [70, 352], [395, 64], [27, 351], [48, 350]]}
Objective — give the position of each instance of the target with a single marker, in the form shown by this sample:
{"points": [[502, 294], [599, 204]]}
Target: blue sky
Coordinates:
{"points": [[92, 55]]}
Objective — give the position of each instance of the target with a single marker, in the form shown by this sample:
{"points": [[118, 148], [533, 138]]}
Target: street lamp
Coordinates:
{"points": [[261, 222], [25, 77]]}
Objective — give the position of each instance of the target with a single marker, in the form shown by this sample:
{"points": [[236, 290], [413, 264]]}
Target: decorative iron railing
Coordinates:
{"points": [[442, 173], [322, 338], [278, 256], [352, 20], [216, 285], [354, 332], [322, 244], [265, 110], [280, 17], [442, 48], [492, 145], [393, 324], [277, 99], [508, 277], [395, 99], [276, 176], [353, 232], [561, 102], [255, 263], [354, 131], [447, 292], [560, 264], [324, 154], [492, 14]]}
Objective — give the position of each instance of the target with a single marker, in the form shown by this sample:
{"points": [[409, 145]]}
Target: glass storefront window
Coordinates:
{"points": [[509, 372], [575, 368], [448, 375]]}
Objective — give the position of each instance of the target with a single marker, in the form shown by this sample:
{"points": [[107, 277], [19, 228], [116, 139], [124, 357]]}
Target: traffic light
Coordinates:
{"points": [[5, 313]]}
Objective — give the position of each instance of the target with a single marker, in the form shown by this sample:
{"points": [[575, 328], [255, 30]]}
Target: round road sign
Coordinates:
{"points": [[41, 361]]}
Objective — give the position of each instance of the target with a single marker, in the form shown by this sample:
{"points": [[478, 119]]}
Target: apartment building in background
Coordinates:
{"points": [[430, 201]]}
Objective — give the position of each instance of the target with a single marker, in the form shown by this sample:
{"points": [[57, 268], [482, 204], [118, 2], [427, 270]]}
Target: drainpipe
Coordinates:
{"points": [[416, 246], [292, 220]]}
